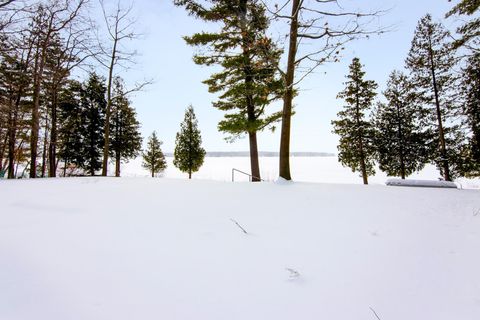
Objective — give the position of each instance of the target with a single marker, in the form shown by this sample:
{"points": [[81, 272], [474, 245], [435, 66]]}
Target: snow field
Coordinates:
{"points": [[139, 248]]}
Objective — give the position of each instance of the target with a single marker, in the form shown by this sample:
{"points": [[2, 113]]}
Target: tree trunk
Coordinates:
{"points": [[284, 164], [52, 148], [108, 111], [12, 135], [400, 142], [362, 163], [44, 150], [363, 166], [37, 83], [441, 133], [189, 174], [249, 84], [4, 148], [255, 167], [117, 164], [11, 147]]}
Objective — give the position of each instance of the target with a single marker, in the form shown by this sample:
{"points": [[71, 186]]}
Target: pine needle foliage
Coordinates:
{"points": [[356, 147], [249, 80], [470, 93], [189, 154], [125, 138], [470, 30], [93, 117], [401, 143], [430, 62], [153, 157]]}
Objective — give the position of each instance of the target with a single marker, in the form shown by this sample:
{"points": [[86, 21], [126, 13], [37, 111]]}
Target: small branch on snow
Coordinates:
{"points": [[476, 212], [238, 225], [294, 274], [376, 315]]}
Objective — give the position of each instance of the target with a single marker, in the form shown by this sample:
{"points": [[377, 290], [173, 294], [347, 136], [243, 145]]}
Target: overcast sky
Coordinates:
{"points": [[166, 58]]}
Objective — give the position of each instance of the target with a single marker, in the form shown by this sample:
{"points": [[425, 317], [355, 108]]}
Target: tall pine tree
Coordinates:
{"points": [[356, 147], [470, 91], [189, 154], [93, 106], [430, 62], [153, 158], [249, 81], [400, 141], [70, 134], [125, 138]]}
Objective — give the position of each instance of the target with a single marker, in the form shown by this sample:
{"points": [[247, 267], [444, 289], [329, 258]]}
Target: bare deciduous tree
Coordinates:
{"points": [[318, 33], [50, 18], [120, 29]]}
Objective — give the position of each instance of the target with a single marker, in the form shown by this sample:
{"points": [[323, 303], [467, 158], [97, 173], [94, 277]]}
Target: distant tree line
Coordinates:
{"points": [[430, 112], [50, 122]]}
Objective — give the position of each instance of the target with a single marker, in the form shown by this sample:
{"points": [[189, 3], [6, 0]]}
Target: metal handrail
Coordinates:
{"points": [[247, 174]]}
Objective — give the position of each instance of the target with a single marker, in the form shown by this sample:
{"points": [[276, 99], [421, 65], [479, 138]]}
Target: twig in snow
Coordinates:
{"points": [[293, 273], [376, 315], [238, 225], [476, 212]]}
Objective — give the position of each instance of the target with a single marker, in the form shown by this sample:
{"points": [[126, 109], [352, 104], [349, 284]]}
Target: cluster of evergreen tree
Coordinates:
{"points": [[188, 154], [430, 115], [82, 115], [49, 121]]}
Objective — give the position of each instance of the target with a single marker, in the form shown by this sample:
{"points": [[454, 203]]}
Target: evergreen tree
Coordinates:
{"points": [[356, 147], [15, 101], [153, 158], [470, 91], [93, 107], [189, 154], [430, 62], [125, 138], [249, 81], [400, 142], [70, 134], [470, 30]]}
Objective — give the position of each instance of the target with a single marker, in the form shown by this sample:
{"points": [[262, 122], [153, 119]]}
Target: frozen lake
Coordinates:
{"points": [[306, 169]]}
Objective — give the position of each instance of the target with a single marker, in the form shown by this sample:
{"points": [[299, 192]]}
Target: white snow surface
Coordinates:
{"points": [[144, 248]]}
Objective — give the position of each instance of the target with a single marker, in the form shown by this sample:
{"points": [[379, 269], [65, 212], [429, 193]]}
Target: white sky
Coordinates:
{"points": [[165, 57]]}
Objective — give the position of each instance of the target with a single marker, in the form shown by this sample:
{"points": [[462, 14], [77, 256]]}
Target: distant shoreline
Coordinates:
{"points": [[235, 154]]}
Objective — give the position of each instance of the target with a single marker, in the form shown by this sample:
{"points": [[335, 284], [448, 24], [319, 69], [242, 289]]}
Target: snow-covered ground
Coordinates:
{"points": [[305, 169], [143, 248]]}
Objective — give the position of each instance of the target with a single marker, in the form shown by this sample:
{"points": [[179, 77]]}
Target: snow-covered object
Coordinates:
{"points": [[151, 248], [420, 183]]}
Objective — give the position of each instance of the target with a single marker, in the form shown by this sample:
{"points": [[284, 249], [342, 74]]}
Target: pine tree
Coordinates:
{"points": [[430, 62], [249, 80], [470, 92], [15, 98], [189, 154], [93, 107], [400, 142], [356, 147], [153, 158], [125, 138], [70, 134]]}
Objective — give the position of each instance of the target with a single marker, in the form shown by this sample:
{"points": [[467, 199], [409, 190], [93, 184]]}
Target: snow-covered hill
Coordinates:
{"points": [[139, 248]]}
